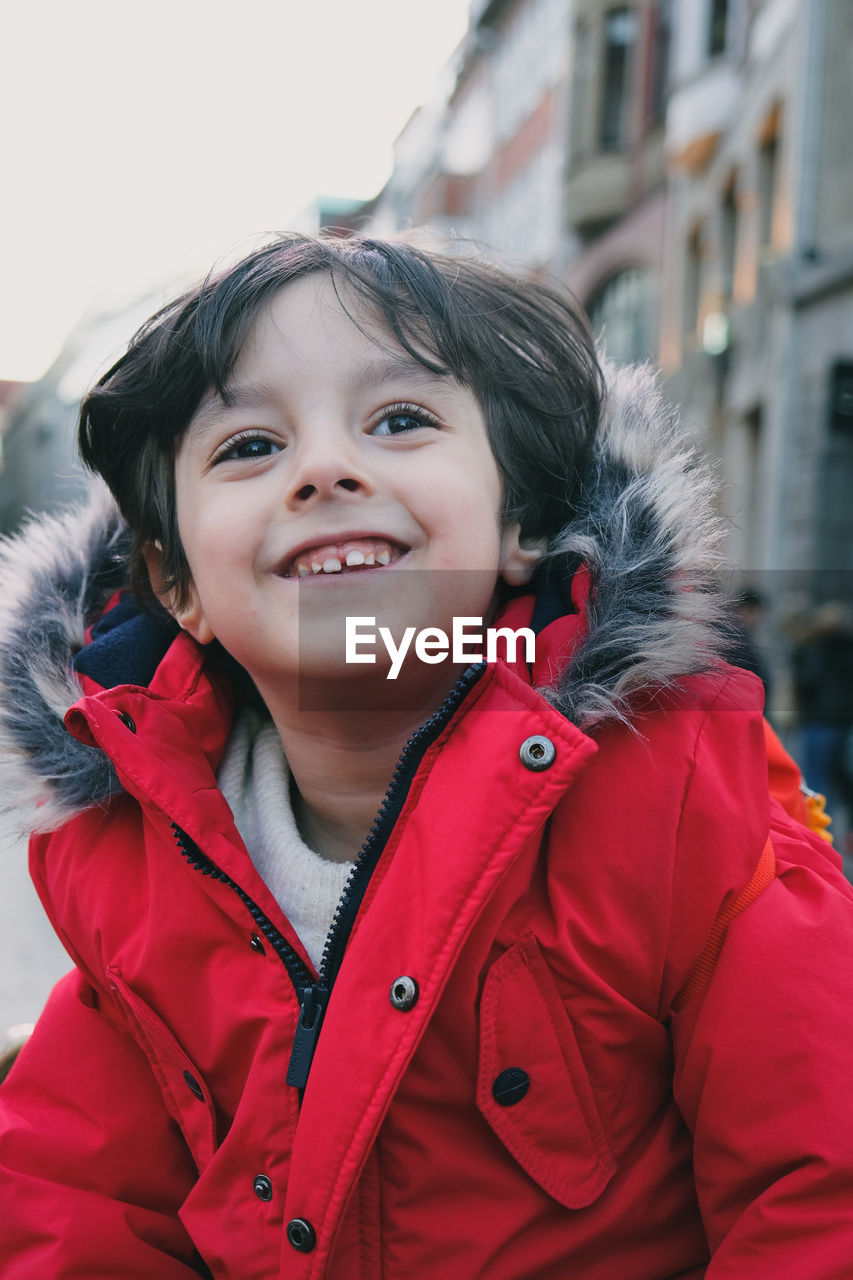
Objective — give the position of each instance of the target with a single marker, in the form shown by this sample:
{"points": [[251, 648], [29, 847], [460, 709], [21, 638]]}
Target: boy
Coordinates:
{"points": [[570, 995]]}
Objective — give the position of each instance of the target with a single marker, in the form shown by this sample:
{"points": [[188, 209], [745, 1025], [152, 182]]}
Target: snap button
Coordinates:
{"points": [[262, 1187], [404, 993], [194, 1085], [257, 945], [301, 1235], [537, 753], [510, 1086], [127, 720]]}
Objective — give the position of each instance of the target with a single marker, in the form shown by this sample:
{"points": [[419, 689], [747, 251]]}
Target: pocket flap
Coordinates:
{"points": [[185, 1094], [553, 1129]]}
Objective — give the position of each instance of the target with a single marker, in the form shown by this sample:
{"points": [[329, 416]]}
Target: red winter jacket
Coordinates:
{"points": [[544, 1055]]}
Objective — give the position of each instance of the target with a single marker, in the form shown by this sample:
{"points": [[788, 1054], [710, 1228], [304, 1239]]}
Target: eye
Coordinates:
{"points": [[248, 445], [398, 419]]}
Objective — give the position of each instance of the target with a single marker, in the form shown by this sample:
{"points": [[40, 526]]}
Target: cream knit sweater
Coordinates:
{"points": [[255, 780]]}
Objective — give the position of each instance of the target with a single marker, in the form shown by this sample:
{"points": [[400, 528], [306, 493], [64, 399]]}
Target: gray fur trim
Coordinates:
{"points": [[645, 528], [649, 535], [56, 576]]}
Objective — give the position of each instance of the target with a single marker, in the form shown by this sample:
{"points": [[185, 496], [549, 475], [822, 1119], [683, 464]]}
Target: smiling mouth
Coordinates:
{"points": [[355, 555]]}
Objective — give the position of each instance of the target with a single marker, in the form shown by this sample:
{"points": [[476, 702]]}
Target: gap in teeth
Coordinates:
{"points": [[354, 558]]}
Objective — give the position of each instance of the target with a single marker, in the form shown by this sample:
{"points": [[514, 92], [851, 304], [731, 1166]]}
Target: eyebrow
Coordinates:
{"points": [[391, 368], [238, 395], [395, 368]]}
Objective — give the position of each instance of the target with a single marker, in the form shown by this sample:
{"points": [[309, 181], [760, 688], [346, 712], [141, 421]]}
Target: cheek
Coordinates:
{"points": [[476, 524], [213, 535], [467, 498]]}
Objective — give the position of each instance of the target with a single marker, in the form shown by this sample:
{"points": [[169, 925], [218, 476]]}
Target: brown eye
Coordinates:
{"points": [[248, 447], [396, 422]]}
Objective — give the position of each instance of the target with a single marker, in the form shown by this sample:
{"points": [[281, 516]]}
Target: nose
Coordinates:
{"points": [[325, 468]]}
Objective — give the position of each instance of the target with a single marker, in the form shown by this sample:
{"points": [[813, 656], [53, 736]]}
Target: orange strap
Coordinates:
{"points": [[703, 970]]}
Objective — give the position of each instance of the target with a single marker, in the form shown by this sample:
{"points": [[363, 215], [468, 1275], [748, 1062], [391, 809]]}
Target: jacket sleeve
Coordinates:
{"points": [[92, 1169], [764, 1053]]}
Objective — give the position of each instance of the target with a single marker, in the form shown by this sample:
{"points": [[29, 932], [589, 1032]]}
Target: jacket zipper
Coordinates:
{"points": [[314, 995], [299, 972]]}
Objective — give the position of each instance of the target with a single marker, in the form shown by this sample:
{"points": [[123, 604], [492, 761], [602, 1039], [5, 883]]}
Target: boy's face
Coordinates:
{"points": [[341, 452]]}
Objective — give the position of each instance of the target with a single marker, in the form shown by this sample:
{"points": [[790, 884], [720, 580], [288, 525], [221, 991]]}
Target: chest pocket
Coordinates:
{"points": [[185, 1094], [532, 1086]]}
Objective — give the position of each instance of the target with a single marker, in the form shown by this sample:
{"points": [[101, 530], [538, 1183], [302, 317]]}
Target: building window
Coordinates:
{"points": [[750, 513], [624, 314], [768, 165], [718, 27], [583, 81], [660, 54], [620, 32], [728, 239], [693, 281]]}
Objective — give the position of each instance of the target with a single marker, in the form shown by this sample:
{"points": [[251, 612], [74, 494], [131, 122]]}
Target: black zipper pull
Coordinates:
{"points": [[307, 1030]]}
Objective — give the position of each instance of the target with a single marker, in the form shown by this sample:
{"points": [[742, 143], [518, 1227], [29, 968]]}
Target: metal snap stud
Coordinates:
{"points": [[127, 720], [537, 753], [510, 1086], [262, 1187], [301, 1235], [256, 945], [404, 993]]}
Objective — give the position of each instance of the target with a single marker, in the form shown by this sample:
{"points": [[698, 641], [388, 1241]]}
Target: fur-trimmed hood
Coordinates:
{"points": [[645, 529]]}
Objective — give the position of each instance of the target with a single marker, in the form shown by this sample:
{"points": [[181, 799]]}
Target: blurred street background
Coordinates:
{"points": [[685, 166], [32, 957]]}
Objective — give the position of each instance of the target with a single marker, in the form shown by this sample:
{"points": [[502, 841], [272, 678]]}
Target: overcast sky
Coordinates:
{"points": [[141, 141]]}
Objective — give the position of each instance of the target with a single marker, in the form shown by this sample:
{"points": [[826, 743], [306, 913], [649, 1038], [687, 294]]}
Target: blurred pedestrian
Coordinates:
{"points": [[745, 650], [823, 684]]}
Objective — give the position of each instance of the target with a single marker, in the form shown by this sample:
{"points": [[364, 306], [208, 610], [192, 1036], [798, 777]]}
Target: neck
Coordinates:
{"points": [[342, 760]]}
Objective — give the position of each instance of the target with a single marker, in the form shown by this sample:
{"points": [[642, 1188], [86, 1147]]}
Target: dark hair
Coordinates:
{"points": [[522, 347]]}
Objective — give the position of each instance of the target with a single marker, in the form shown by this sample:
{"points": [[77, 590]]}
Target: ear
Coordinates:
{"points": [[519, 556], [192, 618]]}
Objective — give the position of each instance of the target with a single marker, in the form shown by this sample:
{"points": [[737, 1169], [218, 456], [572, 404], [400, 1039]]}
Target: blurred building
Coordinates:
{"points": [[483, 157], [686, 169], [10, 394], [544, 138], [615, 177], [757, 333], [41, 469], [336, 215]]}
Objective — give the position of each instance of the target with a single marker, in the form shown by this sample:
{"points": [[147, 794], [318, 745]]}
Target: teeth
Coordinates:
{"points": [[351, 557]]}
